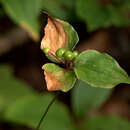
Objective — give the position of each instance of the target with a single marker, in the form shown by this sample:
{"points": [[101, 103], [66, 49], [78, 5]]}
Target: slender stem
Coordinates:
{"points": [[46, 111], [62, 62]]}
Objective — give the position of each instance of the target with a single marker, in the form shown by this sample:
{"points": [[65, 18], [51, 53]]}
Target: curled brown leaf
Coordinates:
{"points": [[52, 83], [54, 37]]}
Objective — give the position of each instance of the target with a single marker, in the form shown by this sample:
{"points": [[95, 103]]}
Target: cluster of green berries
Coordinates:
{"points": [[62, 53], [67, 55]]}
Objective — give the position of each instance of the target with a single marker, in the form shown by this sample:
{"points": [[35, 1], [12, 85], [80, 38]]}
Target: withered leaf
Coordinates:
{"points": [[58, 78], [58, 34], [52, 83], [54, 36]]}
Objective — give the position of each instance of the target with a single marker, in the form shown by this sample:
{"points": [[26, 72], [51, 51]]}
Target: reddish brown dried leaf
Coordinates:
{"points": [[58, 78], [55, 36], [52, 83]]}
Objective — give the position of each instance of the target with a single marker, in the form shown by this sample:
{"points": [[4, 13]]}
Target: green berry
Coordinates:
{"points": [[60, 52], [46, 50], [75, 54], [68, 55]]}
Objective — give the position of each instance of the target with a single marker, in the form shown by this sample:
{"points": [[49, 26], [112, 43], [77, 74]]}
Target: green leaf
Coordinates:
{"points": [[58, 78], [29, 110], [97, 14], [99, 70], [71, 35], [61, 9], [86, 98], [10, 88], [106, 123], [25, 14], [58, 34]]}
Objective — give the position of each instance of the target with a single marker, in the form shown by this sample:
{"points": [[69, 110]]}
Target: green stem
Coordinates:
{"points": [[46, 111], [61, 61]]}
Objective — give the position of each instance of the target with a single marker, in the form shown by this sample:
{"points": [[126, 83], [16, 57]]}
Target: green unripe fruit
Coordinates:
{"points": [[60, 52], [75, 54], [46, 50], [68, 55]]}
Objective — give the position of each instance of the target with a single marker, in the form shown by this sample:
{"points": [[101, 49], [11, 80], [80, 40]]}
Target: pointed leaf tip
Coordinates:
{"points": [[99, 70]]}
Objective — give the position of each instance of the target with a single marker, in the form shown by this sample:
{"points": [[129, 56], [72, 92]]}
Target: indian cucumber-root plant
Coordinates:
{"points": [[92, 67], [95, 68]]}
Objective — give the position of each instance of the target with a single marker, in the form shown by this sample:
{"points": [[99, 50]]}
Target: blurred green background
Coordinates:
{"points": [[103, 25]]}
